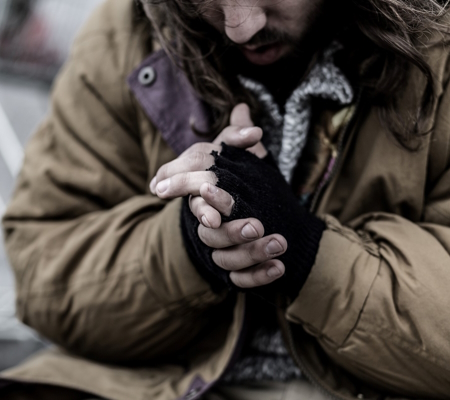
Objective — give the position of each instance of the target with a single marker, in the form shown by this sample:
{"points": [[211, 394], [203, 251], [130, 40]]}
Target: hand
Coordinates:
{"points": [[261, 192], [185, 175], [241, 247]]}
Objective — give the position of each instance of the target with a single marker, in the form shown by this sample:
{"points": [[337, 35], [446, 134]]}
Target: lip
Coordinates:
{"points": [[263, 55]]}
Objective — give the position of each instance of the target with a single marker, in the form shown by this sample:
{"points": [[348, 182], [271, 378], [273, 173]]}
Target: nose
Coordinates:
{"points": [[243, 21]]}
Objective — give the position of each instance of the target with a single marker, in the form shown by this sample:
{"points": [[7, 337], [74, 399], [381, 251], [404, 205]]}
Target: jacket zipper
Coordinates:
{"points": [[337, 163]]}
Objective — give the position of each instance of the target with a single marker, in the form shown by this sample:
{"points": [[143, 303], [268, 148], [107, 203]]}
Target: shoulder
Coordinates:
{"points": [[112, 43], [109, 47]]}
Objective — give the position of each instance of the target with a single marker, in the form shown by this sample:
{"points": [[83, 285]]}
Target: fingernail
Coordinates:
{"points": [[245, 131], [274, 272], [152, 185], [274, 247], [249, 232], [213, 189], [163, 186], [206, 222]]}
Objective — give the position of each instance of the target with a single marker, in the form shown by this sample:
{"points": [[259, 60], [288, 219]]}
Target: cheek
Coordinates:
{"points": [[297, 15], [297, 8]]}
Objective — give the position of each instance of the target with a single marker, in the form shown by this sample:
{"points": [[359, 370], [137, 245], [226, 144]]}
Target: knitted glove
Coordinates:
{"points": [[259, 191]]}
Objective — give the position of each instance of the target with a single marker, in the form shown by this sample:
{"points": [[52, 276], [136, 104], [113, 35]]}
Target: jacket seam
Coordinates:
{"points": [[84, 282], [135, 188], [361, 311], [104, 33], [106, 106], [351, 235], [401, 342], [22, 295], [87, 284], [176, 303]]}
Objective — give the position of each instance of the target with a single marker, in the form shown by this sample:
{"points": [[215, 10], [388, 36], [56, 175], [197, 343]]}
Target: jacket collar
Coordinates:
{"points": [[169, 100]]}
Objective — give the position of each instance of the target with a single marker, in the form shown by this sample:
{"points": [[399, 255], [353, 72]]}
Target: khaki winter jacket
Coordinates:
{"points": [[101, 269]]}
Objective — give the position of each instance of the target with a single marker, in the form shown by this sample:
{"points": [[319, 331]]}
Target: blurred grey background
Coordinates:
{"points": [[35, 39]]}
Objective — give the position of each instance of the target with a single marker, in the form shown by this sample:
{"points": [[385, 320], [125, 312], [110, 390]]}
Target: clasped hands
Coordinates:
{"points": [[241, 247]]}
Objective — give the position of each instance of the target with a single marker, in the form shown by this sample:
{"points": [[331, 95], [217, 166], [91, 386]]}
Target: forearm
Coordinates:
{"points": [[113, 285]]}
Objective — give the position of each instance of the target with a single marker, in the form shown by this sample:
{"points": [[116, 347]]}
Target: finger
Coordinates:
{"points": [[232, 233], [259, 275], [222, 201], [258, 150], [195, 161], [241, 115], [249, 254], [206, 215], [201, 147], [241, 136], [183, 184]]}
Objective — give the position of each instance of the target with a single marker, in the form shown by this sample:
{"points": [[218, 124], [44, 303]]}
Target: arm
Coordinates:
{"points": [[99, 262], [377, 298], [378, 301]]}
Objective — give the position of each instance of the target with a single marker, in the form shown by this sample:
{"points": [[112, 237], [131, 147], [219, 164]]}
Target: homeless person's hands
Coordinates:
{"points": [[246, 236], [186, 174], [261, 195]]}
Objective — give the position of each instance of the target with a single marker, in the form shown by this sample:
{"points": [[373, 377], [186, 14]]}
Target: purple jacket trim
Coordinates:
{"points": [[170, 102], [196, 389]]}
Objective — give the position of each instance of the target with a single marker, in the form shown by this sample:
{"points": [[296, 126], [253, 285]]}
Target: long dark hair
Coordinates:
{"points": [[385, 38]]}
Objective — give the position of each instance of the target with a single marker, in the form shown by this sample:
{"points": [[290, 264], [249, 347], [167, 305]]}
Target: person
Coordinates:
{"points": [[240, 200]]}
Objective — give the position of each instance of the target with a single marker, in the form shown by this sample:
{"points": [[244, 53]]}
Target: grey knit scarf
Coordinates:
{"points": [[285, 137]]}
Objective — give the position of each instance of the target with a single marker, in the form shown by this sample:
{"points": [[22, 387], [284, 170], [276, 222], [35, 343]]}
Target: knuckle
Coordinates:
{"points": [[196, 160], [229, 131], [203, 148], [197, 147], [192, 204], [212, 177], [253, 253], [202, 233], [233, 231], [183, 179], [258, 278], [162, 172], [195, 205], [238, 280], [218, 258], [229, 201]]}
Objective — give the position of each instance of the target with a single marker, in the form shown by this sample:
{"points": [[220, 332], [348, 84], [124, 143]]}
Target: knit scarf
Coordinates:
{"points": [[285, 137]]}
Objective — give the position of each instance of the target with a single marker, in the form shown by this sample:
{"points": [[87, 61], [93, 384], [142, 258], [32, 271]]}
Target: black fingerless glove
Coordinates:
{"points": [[260, 192]]}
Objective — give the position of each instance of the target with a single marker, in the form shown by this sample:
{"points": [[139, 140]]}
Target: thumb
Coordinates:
{"points": [[240, 116]]}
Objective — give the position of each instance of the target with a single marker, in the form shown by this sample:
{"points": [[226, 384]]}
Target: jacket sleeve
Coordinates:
{"points": [[378, 297], [99, 262]]}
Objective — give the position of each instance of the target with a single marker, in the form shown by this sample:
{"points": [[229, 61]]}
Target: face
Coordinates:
{"points": [[264, 30]]}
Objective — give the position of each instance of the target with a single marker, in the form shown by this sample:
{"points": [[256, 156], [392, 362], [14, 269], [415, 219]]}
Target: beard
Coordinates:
{"points": [[283, 76]]}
